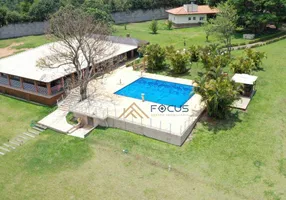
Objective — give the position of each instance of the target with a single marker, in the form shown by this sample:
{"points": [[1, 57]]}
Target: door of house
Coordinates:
{"points": [[90, 121]]}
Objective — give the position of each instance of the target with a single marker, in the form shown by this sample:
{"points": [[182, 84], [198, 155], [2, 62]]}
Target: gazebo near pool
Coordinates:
{"points": [[249, 83]]}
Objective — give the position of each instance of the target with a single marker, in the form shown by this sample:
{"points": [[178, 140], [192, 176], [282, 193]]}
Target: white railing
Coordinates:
{"points": [[145, 122]]}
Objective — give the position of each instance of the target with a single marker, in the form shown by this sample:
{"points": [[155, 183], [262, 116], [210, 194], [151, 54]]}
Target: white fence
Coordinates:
{"points": [[150, 127]]}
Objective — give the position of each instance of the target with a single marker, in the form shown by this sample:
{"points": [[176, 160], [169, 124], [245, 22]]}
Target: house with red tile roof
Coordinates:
{"points": [[190, 14]]}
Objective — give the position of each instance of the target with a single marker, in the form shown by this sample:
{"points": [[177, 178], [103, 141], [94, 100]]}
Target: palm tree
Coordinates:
{"points": [[218, 92]]}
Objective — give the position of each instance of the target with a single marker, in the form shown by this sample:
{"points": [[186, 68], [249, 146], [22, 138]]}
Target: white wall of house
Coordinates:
{"points": [[187, 19]]}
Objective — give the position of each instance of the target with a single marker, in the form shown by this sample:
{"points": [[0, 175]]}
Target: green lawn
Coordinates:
{"points": [[15, 116], [176, 37], [242, 158], [26, 42], [18, 45]]}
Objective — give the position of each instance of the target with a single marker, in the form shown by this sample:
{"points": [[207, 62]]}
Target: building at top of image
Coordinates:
{"points": [[190, 15]]}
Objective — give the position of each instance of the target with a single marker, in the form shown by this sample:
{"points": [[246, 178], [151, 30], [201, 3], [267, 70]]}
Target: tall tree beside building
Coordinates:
{"points": [[82, 42]]}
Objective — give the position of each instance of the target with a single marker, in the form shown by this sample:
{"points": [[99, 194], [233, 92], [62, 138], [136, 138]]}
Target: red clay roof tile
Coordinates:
{"points": [[203, 9]]}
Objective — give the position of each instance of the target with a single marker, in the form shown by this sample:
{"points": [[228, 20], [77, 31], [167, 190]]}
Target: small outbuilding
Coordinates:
{"points": [[249, 83], [190, 14]]}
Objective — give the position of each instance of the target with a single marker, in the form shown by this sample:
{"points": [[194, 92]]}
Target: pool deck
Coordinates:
{"points": [[106, 108]]}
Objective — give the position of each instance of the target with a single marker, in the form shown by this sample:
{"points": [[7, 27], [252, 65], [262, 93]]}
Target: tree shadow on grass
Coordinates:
{"points": [[216, 125], [163, 71], [172, 73], [258, 69]]}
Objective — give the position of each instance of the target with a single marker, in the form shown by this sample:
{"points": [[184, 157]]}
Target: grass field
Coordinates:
{"points": [[17, 45], [176, 37], [242, 158], [26, 42], [16, 116]]}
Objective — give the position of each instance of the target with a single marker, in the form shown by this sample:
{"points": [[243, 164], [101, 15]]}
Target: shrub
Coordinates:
{"points": [[142, 50], [129, 64], [169, 24], [255, 56], [211, 56], [194, 53], [154, 27], [242, 65], [178, 59], [218, 92], [155, 56], [71, 119]]}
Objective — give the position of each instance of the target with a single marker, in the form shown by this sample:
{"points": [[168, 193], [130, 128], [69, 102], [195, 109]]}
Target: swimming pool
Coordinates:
{"points": [[157, 91]]}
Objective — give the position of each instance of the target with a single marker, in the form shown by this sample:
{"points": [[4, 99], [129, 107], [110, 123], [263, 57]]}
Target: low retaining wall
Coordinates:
{"points": [[158, 134], [146, 131]]}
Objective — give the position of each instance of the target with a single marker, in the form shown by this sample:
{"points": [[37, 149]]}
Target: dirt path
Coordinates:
{"points": [[8, 51]]}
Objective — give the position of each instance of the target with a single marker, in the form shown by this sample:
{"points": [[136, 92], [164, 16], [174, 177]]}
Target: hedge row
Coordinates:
{"points": [[269, 37], [266, 38], [264, 43]]}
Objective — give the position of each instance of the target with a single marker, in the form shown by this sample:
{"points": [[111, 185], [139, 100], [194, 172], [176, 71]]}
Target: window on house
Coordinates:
{"points": [[202, 18], [194, 18], [190, 18]]}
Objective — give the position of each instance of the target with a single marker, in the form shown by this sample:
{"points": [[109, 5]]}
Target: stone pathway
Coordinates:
{"points": [[21, 139]]}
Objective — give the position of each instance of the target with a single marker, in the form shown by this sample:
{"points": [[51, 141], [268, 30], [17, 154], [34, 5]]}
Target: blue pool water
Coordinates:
{"points": [[157, 91]]}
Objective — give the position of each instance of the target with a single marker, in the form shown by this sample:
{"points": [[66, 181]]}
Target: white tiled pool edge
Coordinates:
{"points": [[104, 98]]}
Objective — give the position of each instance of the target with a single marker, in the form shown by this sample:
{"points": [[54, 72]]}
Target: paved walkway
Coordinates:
{"points": [[242, 103], [57, 121]]}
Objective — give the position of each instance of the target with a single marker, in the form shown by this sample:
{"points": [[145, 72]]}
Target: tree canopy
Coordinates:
{"points": [[255, 15], [15, 11]]}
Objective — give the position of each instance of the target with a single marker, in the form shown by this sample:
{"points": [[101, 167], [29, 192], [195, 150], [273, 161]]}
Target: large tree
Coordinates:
{"points": [[3, 16], [225, 24], [83, 42], [100, 10], [155, 56], [42, 9], [255, 15]]}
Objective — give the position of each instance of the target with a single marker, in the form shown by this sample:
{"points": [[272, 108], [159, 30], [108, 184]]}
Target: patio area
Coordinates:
{"points": [[57, 121], [104, 108]]}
